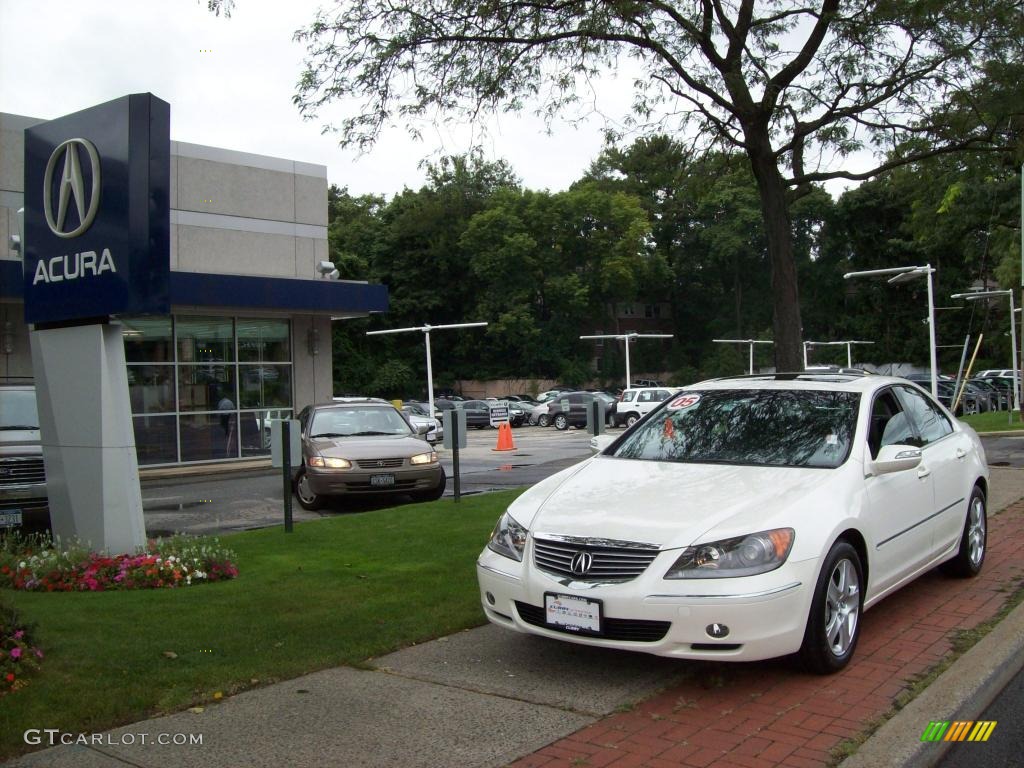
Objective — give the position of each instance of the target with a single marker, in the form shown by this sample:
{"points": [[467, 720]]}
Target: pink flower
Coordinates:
{"points": [[38, 653], [15, 653], [19, 634]]}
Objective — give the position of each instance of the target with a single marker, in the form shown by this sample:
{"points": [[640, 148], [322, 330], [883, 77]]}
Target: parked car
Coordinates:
{"points": [[570, 408], [744, 519], [363, 446], [1004, 373], [23, 495], [539, 415], [637, 402], [417, 415], [518, 415], [478, 413]]}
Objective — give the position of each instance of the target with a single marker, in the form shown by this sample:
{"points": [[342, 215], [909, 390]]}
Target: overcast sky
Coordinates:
{"points": [[230, 84]]}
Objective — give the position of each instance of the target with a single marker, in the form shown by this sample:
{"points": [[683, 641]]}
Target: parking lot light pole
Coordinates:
{"points": [[751, 343], [628, 337], [902, 275], [849, 355], [425, 330], [975, 296]]}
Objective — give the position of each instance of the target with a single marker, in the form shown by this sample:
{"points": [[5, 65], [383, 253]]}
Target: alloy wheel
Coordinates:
{"points": [[842, 607]]}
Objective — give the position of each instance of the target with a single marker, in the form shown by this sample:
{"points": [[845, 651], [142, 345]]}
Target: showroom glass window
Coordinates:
{"points": [[204, 388]]}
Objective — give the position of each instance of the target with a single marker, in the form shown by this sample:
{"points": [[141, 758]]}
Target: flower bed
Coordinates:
{"points": [[18, 657], [34, 563]]}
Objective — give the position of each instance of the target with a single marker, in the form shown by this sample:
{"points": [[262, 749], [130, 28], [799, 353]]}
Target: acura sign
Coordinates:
{"points": [[97, 213], [72, 182]]}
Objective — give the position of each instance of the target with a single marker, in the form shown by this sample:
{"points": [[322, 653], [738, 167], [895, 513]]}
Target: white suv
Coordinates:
{"points": [[637, 402]]}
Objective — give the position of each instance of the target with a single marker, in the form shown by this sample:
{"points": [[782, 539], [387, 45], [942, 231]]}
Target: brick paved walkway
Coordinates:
{"points": [[765, 714]]}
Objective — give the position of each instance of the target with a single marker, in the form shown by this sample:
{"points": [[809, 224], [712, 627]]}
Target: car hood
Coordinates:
{"points": [[671, 505], [375, 447]]}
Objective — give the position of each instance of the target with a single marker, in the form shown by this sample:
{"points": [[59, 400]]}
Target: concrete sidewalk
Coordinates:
{"points": [[487, 697]]}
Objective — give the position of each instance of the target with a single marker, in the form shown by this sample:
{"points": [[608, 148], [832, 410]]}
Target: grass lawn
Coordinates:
{"points": [[336, 591], [993, 421]]}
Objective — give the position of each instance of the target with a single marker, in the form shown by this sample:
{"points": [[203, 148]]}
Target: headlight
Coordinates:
{"points": [[329, 463], [430, 457], [740, 556], [508, 538]]}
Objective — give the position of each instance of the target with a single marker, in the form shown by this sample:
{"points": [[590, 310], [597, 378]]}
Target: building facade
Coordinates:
{"points": [[249, 335]]}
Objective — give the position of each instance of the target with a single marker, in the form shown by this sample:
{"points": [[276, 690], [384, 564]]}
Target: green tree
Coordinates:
{"points": [[785, 82]]}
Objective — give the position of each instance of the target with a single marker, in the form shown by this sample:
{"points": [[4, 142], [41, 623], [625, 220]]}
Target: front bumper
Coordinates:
{"points": [[348, 482], [765, 614]]}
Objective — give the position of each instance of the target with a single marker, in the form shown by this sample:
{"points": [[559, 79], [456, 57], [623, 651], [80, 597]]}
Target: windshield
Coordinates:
{"points": [[358, 420], [791, 428], [18, 409]]}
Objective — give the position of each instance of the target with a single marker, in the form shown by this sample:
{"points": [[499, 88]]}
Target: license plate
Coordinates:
{"points": [[10, 519], [382, 480], [574, 614]]}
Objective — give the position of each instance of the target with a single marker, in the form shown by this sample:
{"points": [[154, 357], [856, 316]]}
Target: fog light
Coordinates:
{"points": [[717, 631], [490, 598]]}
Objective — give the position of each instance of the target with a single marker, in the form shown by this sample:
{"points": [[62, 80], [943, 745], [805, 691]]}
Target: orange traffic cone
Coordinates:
{"points": [[505, 438]]}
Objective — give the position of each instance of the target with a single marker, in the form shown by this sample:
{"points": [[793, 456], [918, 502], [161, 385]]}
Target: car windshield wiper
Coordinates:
{"points": [[20, 426], [370, 432], [331, 434]]}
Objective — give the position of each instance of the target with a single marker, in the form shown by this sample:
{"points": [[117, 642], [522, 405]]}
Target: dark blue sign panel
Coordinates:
{"points": [[97, 212]]}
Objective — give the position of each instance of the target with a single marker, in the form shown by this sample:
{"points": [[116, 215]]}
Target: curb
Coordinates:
{"points": [[962, 692]]}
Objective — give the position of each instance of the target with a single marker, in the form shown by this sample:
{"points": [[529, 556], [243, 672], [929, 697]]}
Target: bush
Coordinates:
{"points": [[33, 563], [18, 656]]}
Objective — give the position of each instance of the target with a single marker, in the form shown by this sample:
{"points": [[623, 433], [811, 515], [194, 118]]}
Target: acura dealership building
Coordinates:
{"points": [[248, 335]]}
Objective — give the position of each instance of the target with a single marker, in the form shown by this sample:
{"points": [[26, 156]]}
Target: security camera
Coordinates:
{"points": [[325, 267], [334, 275]]}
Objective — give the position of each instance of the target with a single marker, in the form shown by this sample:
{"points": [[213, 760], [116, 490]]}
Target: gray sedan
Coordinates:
{"points": [[361, 446]]}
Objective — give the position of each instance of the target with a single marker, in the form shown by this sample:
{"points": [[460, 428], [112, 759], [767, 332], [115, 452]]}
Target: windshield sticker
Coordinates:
{"points": [[669, 430], [831, 440], [683, 401]]}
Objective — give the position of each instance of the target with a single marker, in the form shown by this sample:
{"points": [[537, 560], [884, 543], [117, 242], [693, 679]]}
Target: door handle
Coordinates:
{"points": [[960, 453], [923, 472]]}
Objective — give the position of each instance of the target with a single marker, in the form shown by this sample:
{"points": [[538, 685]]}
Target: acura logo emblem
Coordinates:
{"points": [[72, 184], [580, 563]]}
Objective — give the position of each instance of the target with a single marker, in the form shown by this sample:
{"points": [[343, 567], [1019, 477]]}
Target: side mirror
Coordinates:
{"points": [[599, 443], [422, 429], [895, 458]]}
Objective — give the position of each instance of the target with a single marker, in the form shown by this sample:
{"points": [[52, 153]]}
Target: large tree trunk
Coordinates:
{"points": [[788, 329]]}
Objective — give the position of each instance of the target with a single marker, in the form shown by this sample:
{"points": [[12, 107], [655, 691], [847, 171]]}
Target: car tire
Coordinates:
{"points": [[544, 420], [973, 541], [631, 419], [561, 422], [434, 493], [307, 499], [833, 624]]}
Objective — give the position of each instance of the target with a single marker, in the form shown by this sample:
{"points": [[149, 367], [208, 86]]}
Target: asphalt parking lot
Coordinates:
{"points": [[234, 501]]}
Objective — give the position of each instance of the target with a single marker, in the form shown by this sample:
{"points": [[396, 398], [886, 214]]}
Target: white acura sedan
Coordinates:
{"points": [[744, 519]]}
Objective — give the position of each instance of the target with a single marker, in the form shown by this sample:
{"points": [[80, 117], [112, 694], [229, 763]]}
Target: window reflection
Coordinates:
{"points": [[759, 427], [205, 339], [147, 339], [209, 436], [263, 341]]}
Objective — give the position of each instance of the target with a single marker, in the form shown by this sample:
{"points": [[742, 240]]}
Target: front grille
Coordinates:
{"points": [[610, 563], [628, 630], [22, 471], [25, 505], [379, 463]]}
